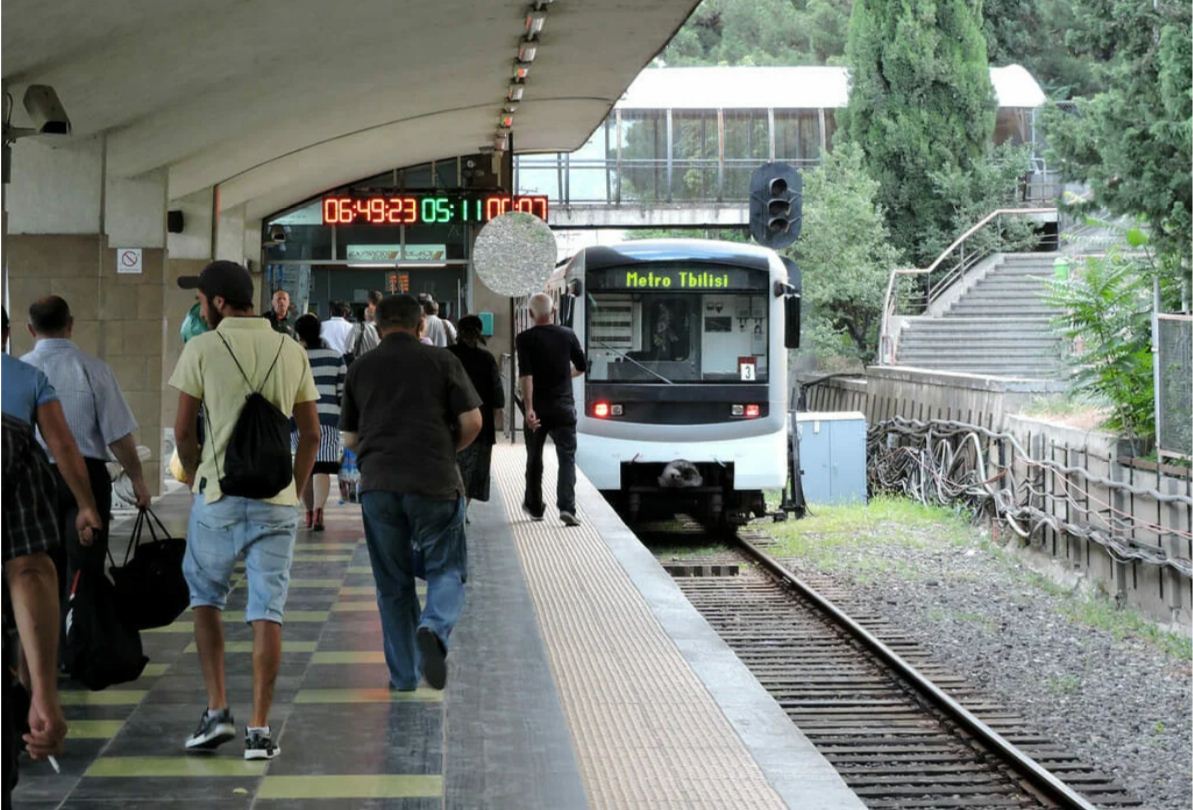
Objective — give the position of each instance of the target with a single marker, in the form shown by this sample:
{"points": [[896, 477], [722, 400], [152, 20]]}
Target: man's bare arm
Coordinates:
{"points": [[51, 421], [125, 450], [306, 417], [186, 434], [33, 585], [470, 423]]}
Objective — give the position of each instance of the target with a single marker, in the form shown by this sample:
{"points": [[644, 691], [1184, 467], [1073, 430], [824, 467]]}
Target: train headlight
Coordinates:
{"points": [[753, 411], [737, 410], [600, 410], [616, 410]]}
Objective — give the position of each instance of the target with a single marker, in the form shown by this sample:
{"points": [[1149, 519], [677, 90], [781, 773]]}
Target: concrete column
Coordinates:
{"points": [[66, 220]]}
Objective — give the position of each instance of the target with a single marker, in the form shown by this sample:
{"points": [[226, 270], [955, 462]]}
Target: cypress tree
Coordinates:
{"points": [[920, 103]]}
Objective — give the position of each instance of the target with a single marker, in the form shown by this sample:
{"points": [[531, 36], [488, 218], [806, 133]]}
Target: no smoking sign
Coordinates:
{"points": [[129, 260]]}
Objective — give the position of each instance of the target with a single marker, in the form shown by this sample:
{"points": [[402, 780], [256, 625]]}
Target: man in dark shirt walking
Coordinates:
{"points": [[407, 410], [549, 356]]}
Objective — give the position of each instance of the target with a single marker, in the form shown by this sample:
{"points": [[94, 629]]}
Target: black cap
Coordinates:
{"points": [[223, 278]]}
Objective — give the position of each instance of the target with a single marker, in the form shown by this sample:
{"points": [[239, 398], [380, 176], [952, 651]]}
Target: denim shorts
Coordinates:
{"points": [[220, 533]]}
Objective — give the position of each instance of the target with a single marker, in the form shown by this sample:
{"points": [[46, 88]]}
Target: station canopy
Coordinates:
{"points": [[278, 100]]}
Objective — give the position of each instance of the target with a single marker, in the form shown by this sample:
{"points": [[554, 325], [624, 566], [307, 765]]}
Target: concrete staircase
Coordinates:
{"points": [[997, 326]]}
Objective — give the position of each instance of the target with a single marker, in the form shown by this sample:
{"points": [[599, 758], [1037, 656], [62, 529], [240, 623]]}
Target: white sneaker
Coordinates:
{"points": [[215, 729]]}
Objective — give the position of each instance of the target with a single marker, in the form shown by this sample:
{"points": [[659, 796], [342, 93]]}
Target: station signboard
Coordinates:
{"points": [[427, 208]]}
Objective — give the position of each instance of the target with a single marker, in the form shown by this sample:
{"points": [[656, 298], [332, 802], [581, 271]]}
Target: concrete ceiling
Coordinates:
{"points": [[277, 100]]}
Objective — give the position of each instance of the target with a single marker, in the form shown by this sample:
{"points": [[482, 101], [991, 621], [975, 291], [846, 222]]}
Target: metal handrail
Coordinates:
{"points": [[886, 342]]}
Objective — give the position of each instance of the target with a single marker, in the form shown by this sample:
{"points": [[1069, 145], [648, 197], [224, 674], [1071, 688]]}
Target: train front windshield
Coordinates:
{"points": [[687, 326]]}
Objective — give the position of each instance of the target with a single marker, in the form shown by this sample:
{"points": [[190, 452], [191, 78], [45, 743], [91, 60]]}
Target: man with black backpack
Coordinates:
{"points": [[248, 380]]}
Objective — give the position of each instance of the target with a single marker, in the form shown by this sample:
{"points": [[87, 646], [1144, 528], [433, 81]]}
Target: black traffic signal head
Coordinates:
{"points": [[776, 197]]}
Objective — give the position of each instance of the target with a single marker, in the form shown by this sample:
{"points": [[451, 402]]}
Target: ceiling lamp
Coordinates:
{"points": [[521, 70], [535, 19], [506, 121], [527, 51], [515, 91]]}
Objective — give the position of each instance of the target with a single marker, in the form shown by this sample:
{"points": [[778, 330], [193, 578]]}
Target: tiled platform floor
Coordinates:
{"points": [[579, 676]]}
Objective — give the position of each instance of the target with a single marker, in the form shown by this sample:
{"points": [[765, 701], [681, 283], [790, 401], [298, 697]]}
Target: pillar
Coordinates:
{"points": [[66, 220]]}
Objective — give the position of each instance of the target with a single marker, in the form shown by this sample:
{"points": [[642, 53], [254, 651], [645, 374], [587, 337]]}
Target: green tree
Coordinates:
{"points": [[920, 102], [1131, 142], [1034, 34], [845, 254], [1106, 319], [761, 32]]}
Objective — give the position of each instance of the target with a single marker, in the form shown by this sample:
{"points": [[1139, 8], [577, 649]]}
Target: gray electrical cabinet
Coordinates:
{"points": [[832, 456]]}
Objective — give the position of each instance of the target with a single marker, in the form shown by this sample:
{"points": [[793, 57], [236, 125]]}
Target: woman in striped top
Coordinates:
{"points": [[329, 370]]}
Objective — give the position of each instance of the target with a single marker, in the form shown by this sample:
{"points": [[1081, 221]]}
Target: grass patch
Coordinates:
{"points": [[691, 551], [886, 520], [1064, 684], [1124, 623]]}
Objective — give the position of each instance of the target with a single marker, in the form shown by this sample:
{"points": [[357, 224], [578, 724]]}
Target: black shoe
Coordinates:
{"points": [[259, 745], [434, 657], [215, 729], [533, 514], [568, 518]]}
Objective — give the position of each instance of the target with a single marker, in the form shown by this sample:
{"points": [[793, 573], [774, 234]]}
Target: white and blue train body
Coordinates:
{"points": [[684, 403]]}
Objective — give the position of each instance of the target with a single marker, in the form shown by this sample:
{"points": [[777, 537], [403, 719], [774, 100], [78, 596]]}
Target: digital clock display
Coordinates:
{"points": [[427, 209]]}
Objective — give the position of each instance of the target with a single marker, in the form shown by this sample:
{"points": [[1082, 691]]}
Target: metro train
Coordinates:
{"points": [[684, 405]]}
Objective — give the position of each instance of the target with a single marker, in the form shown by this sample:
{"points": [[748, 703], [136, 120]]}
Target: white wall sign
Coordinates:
{"points": [[129, 260], [393, 253]]}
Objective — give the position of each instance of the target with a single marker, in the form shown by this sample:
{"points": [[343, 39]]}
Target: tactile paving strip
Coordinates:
{"points": [[646, 731]]}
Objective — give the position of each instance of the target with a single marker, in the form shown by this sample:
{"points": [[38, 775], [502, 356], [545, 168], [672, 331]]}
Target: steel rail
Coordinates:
{"points": [[1024, 766]]}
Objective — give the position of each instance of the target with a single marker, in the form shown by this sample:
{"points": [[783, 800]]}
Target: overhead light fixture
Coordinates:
{"points": [[527, 51], [515, 91], [509, 107], [506, 121], [535, 19], [500, 142], [521, 70]]}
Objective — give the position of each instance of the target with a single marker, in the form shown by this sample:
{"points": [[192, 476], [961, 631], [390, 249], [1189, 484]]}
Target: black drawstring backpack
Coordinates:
{"points": [[257, 462]]}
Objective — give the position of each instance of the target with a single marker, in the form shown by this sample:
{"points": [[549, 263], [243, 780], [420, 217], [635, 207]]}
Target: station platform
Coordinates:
{"points": [[579, 676]]}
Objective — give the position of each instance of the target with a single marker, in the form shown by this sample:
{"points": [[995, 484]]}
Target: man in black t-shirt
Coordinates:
{"points": [[408, 409], [549, 356]]}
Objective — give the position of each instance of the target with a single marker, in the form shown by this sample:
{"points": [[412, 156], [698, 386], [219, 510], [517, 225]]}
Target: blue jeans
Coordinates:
{"points": [[403, 529], [221, 532]]}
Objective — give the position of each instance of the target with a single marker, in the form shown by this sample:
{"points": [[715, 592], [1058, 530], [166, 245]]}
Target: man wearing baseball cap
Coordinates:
{"points": [[218, 370]]}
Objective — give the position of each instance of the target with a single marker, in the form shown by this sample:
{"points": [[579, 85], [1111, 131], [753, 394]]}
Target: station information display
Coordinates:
{"points": [[428, 209], [693, 278]]}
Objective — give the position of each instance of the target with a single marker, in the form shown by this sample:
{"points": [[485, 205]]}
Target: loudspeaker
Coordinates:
{"points": [[174, 221]]}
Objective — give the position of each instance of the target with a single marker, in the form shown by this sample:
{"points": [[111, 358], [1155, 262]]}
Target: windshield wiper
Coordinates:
{"points": [[619, 353]]}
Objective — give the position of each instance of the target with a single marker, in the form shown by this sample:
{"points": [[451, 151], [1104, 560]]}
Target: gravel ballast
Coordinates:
{"points": [[1120, 701]]}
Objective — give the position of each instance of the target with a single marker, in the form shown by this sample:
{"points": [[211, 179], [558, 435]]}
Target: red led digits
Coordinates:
{"points": [[411, 209]]}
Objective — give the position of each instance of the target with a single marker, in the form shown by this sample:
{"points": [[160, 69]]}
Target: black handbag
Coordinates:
{"points": [[101, 650], [150, 588]]}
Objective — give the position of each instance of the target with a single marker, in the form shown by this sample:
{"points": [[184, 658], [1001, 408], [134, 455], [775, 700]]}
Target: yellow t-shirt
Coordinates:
{"points": [[207, 371]]}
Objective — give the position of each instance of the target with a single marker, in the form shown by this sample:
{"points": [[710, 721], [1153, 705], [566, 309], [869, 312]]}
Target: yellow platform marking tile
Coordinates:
{"points": [[348, 657], [358, 590], [108, 697], [341, 547], [180, 765], [354, 607], [301, 582], [154, 670], [290, 616], [420, 695], [93, 729], [176, 627], [247, 647], [352, 786], [360, 569], [323, 557]]}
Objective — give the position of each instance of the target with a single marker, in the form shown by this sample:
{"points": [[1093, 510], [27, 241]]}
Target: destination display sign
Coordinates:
{"points": [[428, 209], [696, 278]]}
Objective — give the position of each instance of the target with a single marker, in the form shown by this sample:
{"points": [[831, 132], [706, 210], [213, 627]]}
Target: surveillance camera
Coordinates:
{"points": [[277, 234], [46, 111]]}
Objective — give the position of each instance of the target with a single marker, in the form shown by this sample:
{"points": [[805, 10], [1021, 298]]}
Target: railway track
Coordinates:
{"points": [[902, 731]]}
